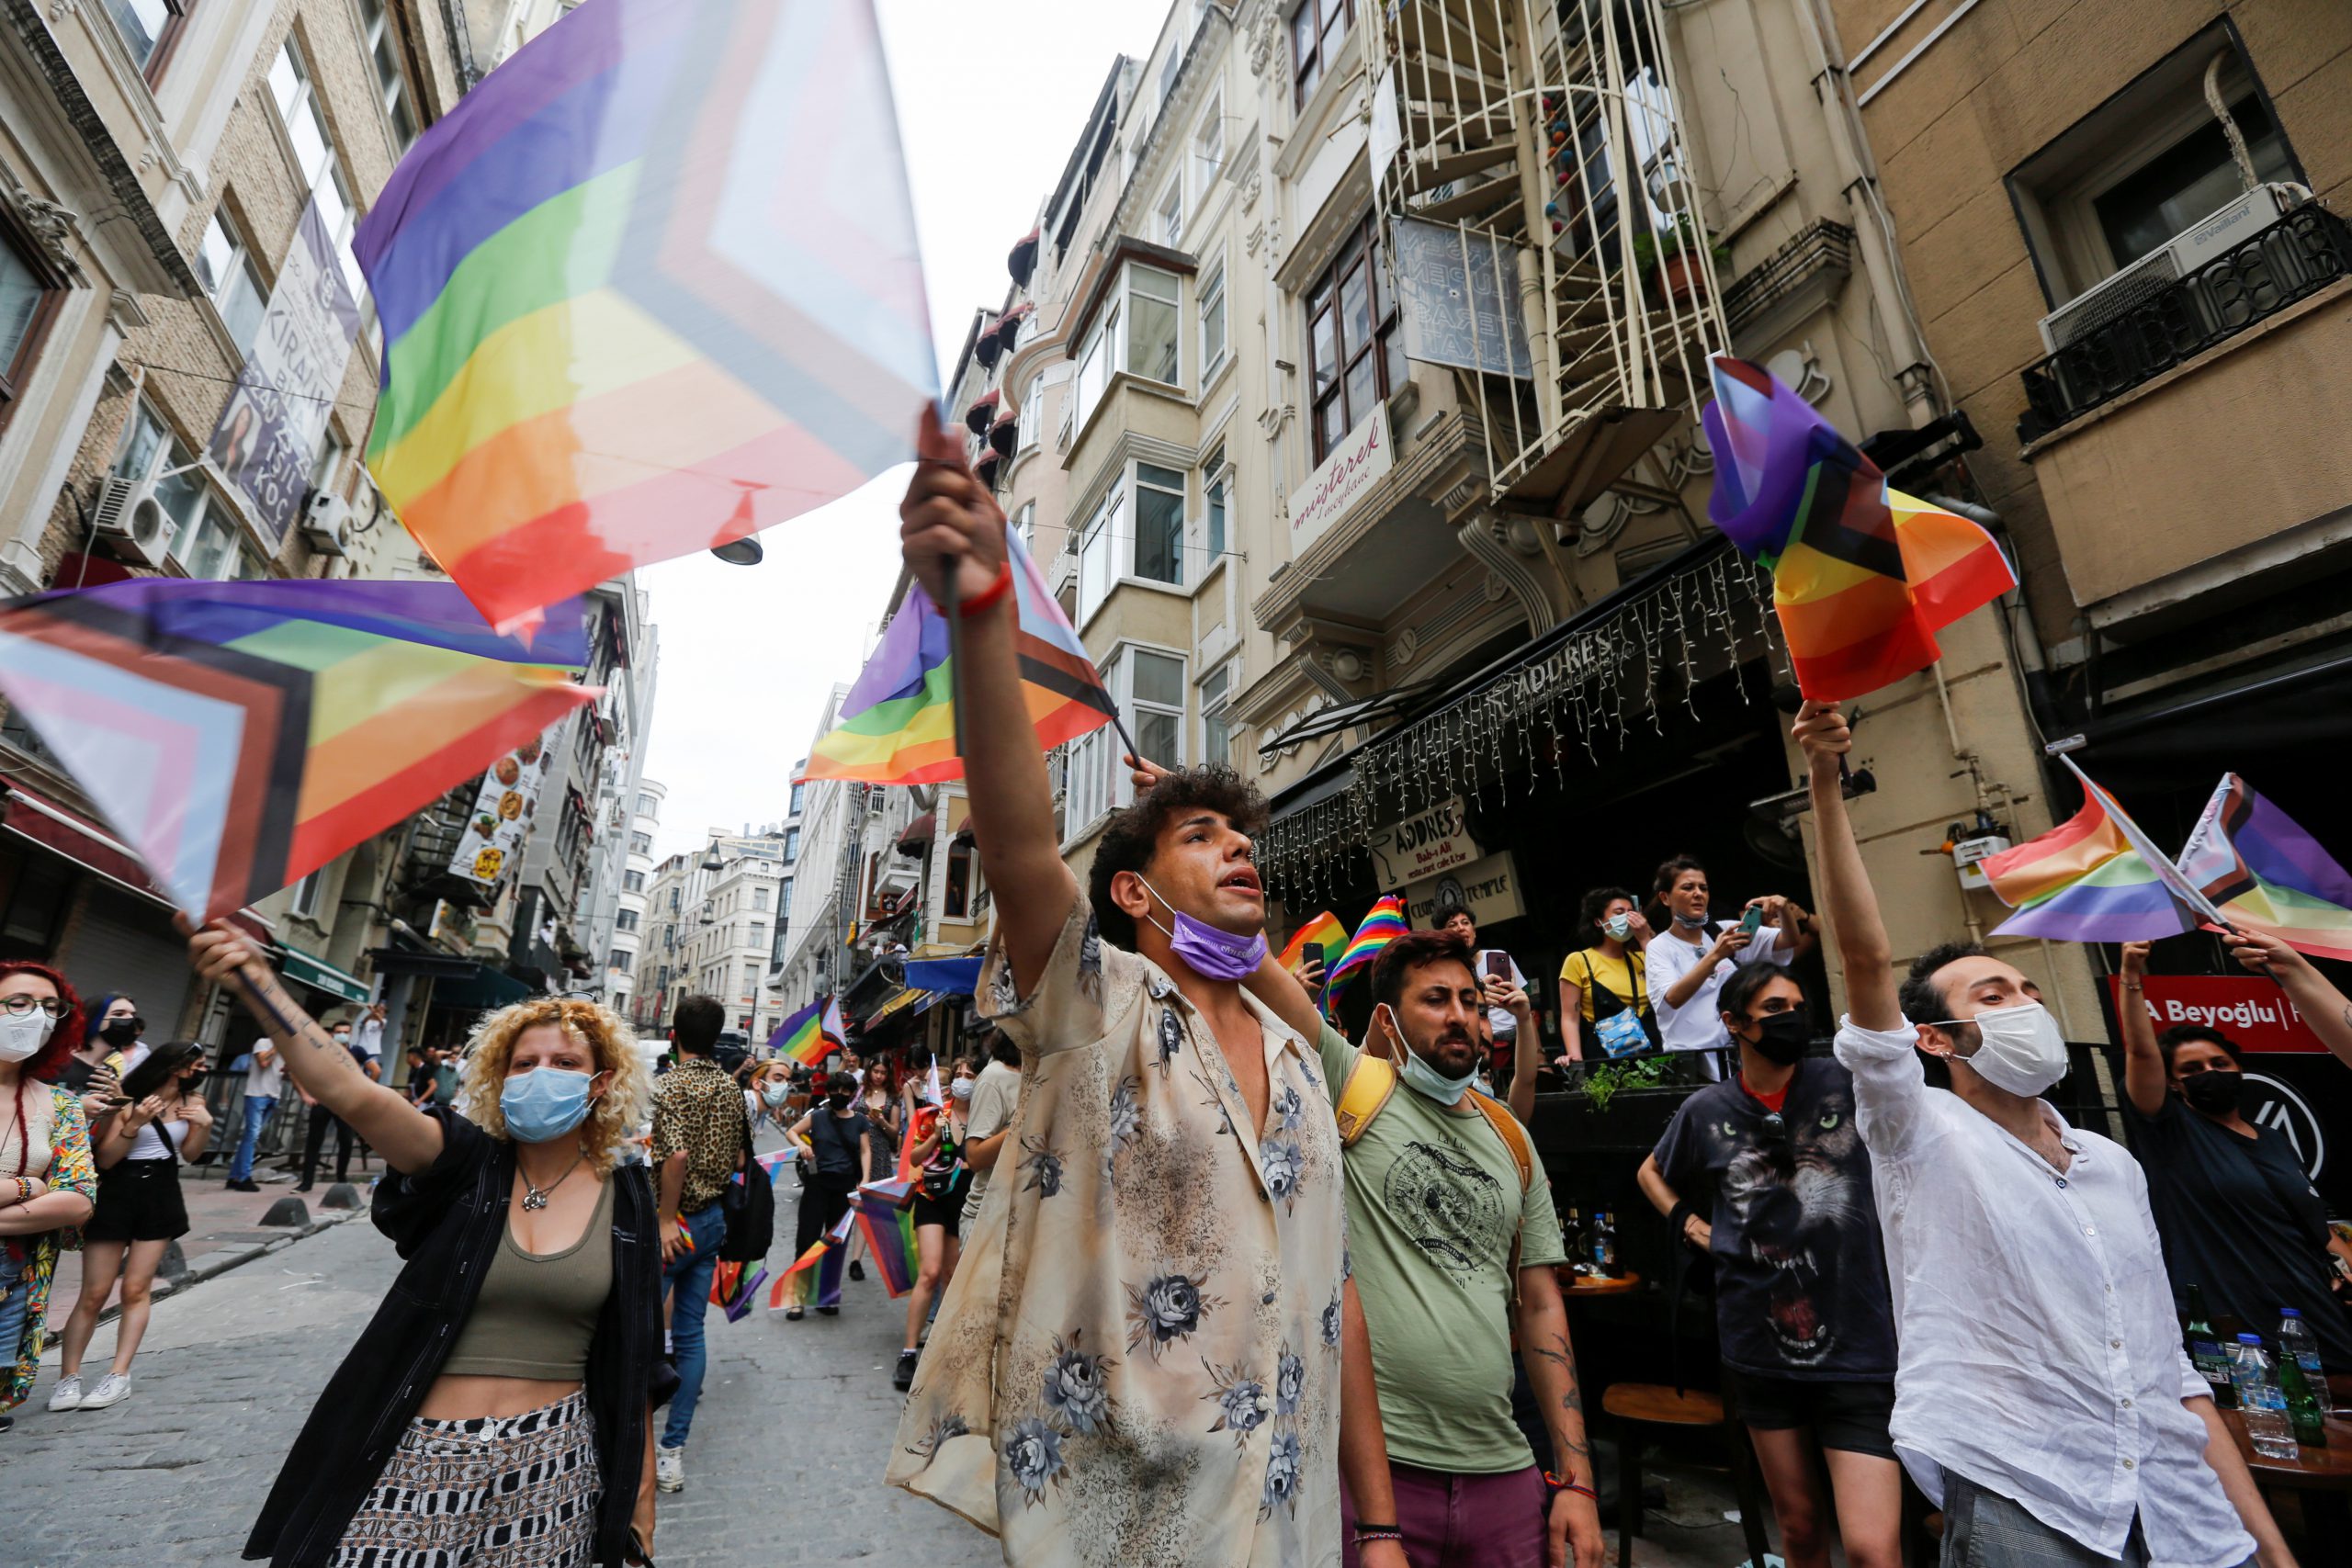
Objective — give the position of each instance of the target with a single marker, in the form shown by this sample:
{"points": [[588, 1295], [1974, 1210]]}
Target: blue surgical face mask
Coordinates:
{"points": [[544, 1104], [1207, 952], [1436, 1085], [775, 1094], [1619, 926]]}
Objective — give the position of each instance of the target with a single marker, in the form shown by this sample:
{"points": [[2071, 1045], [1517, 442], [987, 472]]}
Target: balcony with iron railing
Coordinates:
{"points": [[2202, 425]]}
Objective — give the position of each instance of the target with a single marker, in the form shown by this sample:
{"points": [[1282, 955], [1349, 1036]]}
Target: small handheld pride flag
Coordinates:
{"points": [[2267, 874], [1383, 924], [2094, 877]]}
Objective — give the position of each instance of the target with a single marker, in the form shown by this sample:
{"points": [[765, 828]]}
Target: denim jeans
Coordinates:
{"points": [[689, 1277], [257, 1110], [16, 1292]]}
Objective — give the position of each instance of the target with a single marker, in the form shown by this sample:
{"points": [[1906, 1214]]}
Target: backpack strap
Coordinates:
{"points": [[1514, 1138], [1369, 1083]]}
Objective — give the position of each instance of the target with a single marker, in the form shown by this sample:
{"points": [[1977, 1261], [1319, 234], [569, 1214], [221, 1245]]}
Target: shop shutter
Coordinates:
{"points": [[126, 943]]}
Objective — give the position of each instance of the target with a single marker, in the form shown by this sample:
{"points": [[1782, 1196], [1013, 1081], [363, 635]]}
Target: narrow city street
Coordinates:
{"points": [[785, 1467]]}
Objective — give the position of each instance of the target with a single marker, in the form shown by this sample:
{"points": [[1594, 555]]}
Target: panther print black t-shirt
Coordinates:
{"points": [[1800, 1267]]}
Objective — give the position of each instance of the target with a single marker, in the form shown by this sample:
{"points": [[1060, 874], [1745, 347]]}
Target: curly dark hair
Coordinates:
{"points": [[1596, 908], [1131, 837], [1922, 1002]]}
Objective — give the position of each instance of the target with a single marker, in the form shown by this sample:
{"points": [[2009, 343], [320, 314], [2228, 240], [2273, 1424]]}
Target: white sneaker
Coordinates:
{"points": [[113, 1388], [668, 1468], [66, 1395]]}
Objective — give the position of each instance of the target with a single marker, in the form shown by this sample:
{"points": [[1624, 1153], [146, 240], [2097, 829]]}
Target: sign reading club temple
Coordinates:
{"points": [[1354, 465]]}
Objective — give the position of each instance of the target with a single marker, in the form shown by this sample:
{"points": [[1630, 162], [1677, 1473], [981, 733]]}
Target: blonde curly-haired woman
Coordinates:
{"points": [[497, 1412]]}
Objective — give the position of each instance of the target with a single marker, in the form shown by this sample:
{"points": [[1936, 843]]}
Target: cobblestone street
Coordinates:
{"points": [[785, 1467]]}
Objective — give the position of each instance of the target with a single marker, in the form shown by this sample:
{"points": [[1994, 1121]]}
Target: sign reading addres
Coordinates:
{"points": [[1360, 460], [2254, 1012], [1424, 844], [501, 818], [1488, 887]]}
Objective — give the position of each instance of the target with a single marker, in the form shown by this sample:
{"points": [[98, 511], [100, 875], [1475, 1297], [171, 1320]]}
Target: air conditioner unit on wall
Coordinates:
{"points": [[131, 518], [326, 524], [2186, 251]]}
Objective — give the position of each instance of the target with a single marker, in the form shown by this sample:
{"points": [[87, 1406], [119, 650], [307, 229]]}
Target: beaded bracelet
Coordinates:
{"points": [[1367, 1534]]}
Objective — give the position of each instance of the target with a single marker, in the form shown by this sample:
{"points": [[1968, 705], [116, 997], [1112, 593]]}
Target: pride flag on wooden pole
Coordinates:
{"points": [[1863, 576], [651, 287]]}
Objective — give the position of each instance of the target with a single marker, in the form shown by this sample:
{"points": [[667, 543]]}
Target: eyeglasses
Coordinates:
{"points": [[16, 1007]]}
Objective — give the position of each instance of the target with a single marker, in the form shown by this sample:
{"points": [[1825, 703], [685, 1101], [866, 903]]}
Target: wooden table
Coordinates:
{"points": [[2323, 1477], [1576, 1285]]}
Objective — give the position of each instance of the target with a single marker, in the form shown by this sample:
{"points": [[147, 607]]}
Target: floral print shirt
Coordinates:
{"points": [[1138, 1358], [68, 1169]]}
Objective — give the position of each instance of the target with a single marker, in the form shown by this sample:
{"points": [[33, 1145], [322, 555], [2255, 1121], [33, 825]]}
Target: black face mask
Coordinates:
{"points": [[2215, 1091], [119, 1031], [1781, 1037]]}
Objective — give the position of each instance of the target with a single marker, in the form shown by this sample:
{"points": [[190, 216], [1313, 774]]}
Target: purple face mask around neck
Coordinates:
{"points": [[1207, 952]]}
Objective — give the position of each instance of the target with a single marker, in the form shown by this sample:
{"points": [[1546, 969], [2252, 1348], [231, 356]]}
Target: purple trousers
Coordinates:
{"points": [[1460, 1522]]}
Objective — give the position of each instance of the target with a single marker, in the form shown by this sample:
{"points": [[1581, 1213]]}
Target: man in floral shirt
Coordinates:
{"points": [[1144, 1353]]}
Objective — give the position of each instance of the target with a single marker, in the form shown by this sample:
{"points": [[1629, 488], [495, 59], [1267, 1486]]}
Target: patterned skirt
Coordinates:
{"points": [[502, 1492]]}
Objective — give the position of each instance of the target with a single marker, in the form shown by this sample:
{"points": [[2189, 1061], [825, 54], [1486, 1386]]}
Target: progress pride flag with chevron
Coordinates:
{"points": [[651, 288]]}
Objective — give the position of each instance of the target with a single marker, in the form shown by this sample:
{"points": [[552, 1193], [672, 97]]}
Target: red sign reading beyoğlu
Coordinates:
{"points": [[2253, 1011]]}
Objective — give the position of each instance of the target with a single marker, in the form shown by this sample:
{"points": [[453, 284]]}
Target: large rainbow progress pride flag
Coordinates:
{"points": [[651, 287], [1863, 576], [240, 735]]}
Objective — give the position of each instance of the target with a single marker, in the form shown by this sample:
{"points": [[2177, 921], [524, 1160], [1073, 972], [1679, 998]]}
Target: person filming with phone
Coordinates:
{"points": [[1689, 958]]}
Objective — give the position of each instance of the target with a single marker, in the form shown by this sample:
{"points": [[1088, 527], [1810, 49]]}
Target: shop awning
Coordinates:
{"points": [[487, 989], [917, 835], [945, 976], [1005, 432], [977, 418], [1024, 259], [910, 1000], [322, 976], [34, 817], [1347, 716]]}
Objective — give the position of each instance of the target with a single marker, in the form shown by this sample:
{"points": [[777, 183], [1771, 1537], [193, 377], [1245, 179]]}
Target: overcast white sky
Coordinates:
{"points": [[990, 99]]}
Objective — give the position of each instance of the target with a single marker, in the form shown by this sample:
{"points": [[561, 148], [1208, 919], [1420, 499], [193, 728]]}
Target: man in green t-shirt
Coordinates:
{"points": [[1440, 1211]]}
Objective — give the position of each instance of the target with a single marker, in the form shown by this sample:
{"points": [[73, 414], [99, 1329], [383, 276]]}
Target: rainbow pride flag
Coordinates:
{"points": [[2094, 877], [889, 1237], [1863, 576], [734, 1287], [898, 723], [2264, 874], [811, 1035], [815, 1277], [1324, 927], [1383, 924], [240, 735], [651, 287]]}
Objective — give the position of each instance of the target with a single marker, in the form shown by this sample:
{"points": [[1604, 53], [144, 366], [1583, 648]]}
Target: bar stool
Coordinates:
{"points": [[1654, 1404]]}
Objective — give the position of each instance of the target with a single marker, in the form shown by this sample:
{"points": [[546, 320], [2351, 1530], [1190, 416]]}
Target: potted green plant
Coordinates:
{"points": [[1669, 255]]}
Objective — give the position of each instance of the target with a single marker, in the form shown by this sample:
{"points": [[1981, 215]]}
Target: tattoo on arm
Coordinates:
{"points": [[1571, 1398]]}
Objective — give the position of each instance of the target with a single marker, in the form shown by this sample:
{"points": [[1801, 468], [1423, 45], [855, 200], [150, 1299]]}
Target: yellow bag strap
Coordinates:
{"points": [[1369, 1083], [1514, 1136]]}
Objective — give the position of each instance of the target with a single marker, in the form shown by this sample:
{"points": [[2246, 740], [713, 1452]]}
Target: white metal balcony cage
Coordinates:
{"points": [[1547, 234]]}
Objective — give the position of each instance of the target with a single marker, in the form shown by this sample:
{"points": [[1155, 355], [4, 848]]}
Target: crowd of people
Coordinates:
{"points": [[1201, 1280]]}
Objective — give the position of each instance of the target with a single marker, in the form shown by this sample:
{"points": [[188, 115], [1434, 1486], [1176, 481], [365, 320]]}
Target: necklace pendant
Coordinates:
{"points": [[533, 1197]]}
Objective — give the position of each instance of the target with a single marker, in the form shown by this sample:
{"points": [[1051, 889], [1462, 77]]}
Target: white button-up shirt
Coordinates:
{"points": [[2040, 1357]]}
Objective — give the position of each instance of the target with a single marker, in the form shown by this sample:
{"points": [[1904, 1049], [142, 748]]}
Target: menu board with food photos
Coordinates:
{"points": [[501, 818]]}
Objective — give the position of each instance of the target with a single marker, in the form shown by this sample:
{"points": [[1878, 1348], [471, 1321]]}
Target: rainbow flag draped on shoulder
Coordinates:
{"points": [[898, 723], [240, 735], [2264, 874], [2094, 877], [811, 1035], [1863, 576], [651, 287]]}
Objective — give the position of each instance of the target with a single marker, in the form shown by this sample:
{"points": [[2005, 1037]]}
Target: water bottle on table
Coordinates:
{"points": [[2296, 1340], [2260, 1400]]}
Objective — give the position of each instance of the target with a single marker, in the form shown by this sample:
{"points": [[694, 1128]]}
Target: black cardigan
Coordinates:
{"points": [[447, 1222]]}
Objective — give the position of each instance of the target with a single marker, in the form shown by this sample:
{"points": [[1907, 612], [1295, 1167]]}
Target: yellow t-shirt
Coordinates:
{"points": [[1592, 966]]}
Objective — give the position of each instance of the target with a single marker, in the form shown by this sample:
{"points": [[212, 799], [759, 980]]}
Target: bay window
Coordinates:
{"points": [[1149, 686], [1357, 356], [1159, 524], [1217, 716], [1216, 485], [1136, 332], [1098, 545], [1156, 698], [1033, 412], [1212, 326]]}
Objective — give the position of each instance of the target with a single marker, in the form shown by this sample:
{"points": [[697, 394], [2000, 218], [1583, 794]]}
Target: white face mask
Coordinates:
{"points": [[22, 1034], [2019, 1048]]}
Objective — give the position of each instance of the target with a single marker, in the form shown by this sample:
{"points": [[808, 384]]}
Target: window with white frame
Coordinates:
{"points": [[305, 902], [1098, 547], [1033, 412], [1208, 152], [625, 920], [391, 86], [1217, 716], [1156, 698], [1095, 360], [1024, 526], [1089, 779], [1213, 344], [146, 27], [1170, 220], [203, 531], [1159, 524], [224, 264], [2146, 167], [1217, 487], [305, 124], [1136, 332]]}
